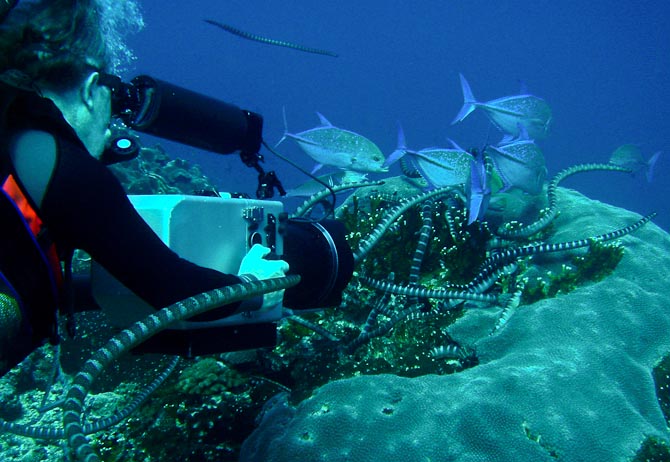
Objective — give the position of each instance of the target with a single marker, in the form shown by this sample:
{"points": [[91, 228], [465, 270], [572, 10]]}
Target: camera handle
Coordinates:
{"points": [[267, 181]]}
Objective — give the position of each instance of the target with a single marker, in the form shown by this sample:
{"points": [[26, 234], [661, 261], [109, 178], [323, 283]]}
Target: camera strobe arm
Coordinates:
{"points": [[267, 181], [251, 156], [168, 111]]}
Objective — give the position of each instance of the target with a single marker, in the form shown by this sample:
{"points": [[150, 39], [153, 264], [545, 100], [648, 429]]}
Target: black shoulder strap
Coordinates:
{"points": [[7, 97], [27, 269], [22, 260]]}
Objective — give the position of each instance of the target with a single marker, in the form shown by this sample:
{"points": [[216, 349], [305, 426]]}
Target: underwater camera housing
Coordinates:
{"points": [[162, 109], [217, 232], [159, 108]]}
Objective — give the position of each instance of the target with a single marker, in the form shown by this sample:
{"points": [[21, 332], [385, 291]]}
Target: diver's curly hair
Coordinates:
{"points": [[55, 42]]}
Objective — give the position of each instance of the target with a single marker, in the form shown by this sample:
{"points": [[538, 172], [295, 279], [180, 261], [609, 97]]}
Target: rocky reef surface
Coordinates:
{"points": [[567, 378]]}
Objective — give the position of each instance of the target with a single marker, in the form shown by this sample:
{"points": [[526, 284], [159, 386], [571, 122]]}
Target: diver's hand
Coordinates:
{"points": [[257, 267], [255, 264]]}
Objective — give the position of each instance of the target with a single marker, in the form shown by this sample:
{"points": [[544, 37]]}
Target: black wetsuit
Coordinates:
{"points": [[85, 207]]}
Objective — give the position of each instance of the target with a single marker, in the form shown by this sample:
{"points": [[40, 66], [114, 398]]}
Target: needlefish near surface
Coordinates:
{"points": [[269, 41]]}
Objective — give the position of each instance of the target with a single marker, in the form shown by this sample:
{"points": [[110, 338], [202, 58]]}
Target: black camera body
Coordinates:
{"points": [[162, 109], [217, 232]]}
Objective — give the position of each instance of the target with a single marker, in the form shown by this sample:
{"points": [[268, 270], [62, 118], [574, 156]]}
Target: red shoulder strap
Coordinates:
{"points": [[11, 187], [13, 190]]}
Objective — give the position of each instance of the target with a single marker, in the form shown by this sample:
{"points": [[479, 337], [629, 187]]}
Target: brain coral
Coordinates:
{"points": [[567, 378]]}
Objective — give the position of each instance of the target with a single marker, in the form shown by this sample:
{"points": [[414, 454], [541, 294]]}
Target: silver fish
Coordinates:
{"points": [[630, 156], [508, 112], [344, 149], [477, 189], [520, 164], [312, 187], [443, 166], [439, 166]]}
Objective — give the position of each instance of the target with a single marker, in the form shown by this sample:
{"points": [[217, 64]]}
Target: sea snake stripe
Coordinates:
{"points": [[269, 41], [422, 292], [509, 308], [367, 244], [424, 236], [542, 222], [139, 332], [412, 312], [494, 261], [51, 433], [518, 252], [486, 278], [319, 196]]}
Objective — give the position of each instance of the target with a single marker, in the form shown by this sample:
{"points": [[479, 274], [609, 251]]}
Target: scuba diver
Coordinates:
{"points": [[57, 195]]}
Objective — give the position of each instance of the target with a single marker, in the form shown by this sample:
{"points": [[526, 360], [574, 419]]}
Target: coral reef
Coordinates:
{"points": [[154, 172], [597, 263], [567, 377], [412, 343], [209, 377]]}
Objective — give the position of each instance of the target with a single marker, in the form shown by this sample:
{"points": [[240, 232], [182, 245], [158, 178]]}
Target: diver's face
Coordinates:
{"points": [[87, 108], [101, 116], [93, 114]]}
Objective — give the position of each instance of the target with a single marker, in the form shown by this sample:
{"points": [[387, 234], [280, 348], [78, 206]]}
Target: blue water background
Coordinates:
{"points": [[603, 66]]}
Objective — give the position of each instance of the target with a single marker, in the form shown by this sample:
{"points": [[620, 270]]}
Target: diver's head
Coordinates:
{"points": [[54, 42], [59, 47], [87, 108]]}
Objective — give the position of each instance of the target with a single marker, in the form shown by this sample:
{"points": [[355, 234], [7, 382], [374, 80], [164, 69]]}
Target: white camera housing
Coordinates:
{"points": [[213, 232]]}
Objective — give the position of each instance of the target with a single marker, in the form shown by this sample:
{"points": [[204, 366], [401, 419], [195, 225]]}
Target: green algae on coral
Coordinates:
{"points": [[556, 365], [596, 264]]}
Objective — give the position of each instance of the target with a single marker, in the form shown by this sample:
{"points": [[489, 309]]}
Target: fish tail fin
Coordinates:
{"points": [[650, 166], [478, 192], [400, 150], [469, 101], [285, 134]]}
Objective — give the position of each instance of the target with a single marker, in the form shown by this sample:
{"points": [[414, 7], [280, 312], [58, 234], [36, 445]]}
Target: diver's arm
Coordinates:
{"points": [[33, 155], [85, 207]]}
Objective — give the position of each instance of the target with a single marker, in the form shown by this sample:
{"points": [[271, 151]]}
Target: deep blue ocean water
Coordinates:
{"points": [[603, 66]]}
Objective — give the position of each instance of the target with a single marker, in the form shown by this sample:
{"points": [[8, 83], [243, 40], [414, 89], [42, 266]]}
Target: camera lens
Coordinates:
{"points": [[320, 254]]}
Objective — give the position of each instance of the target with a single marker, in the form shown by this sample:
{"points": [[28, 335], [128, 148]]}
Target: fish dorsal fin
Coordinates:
{"points": [[432, 159], [503, 152], [455, 145], [523, 87], [301, 139], [479, 191], [650, 166], [400, 150], [521, 136], [402, 142], [523, 132], [324, 122]]}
